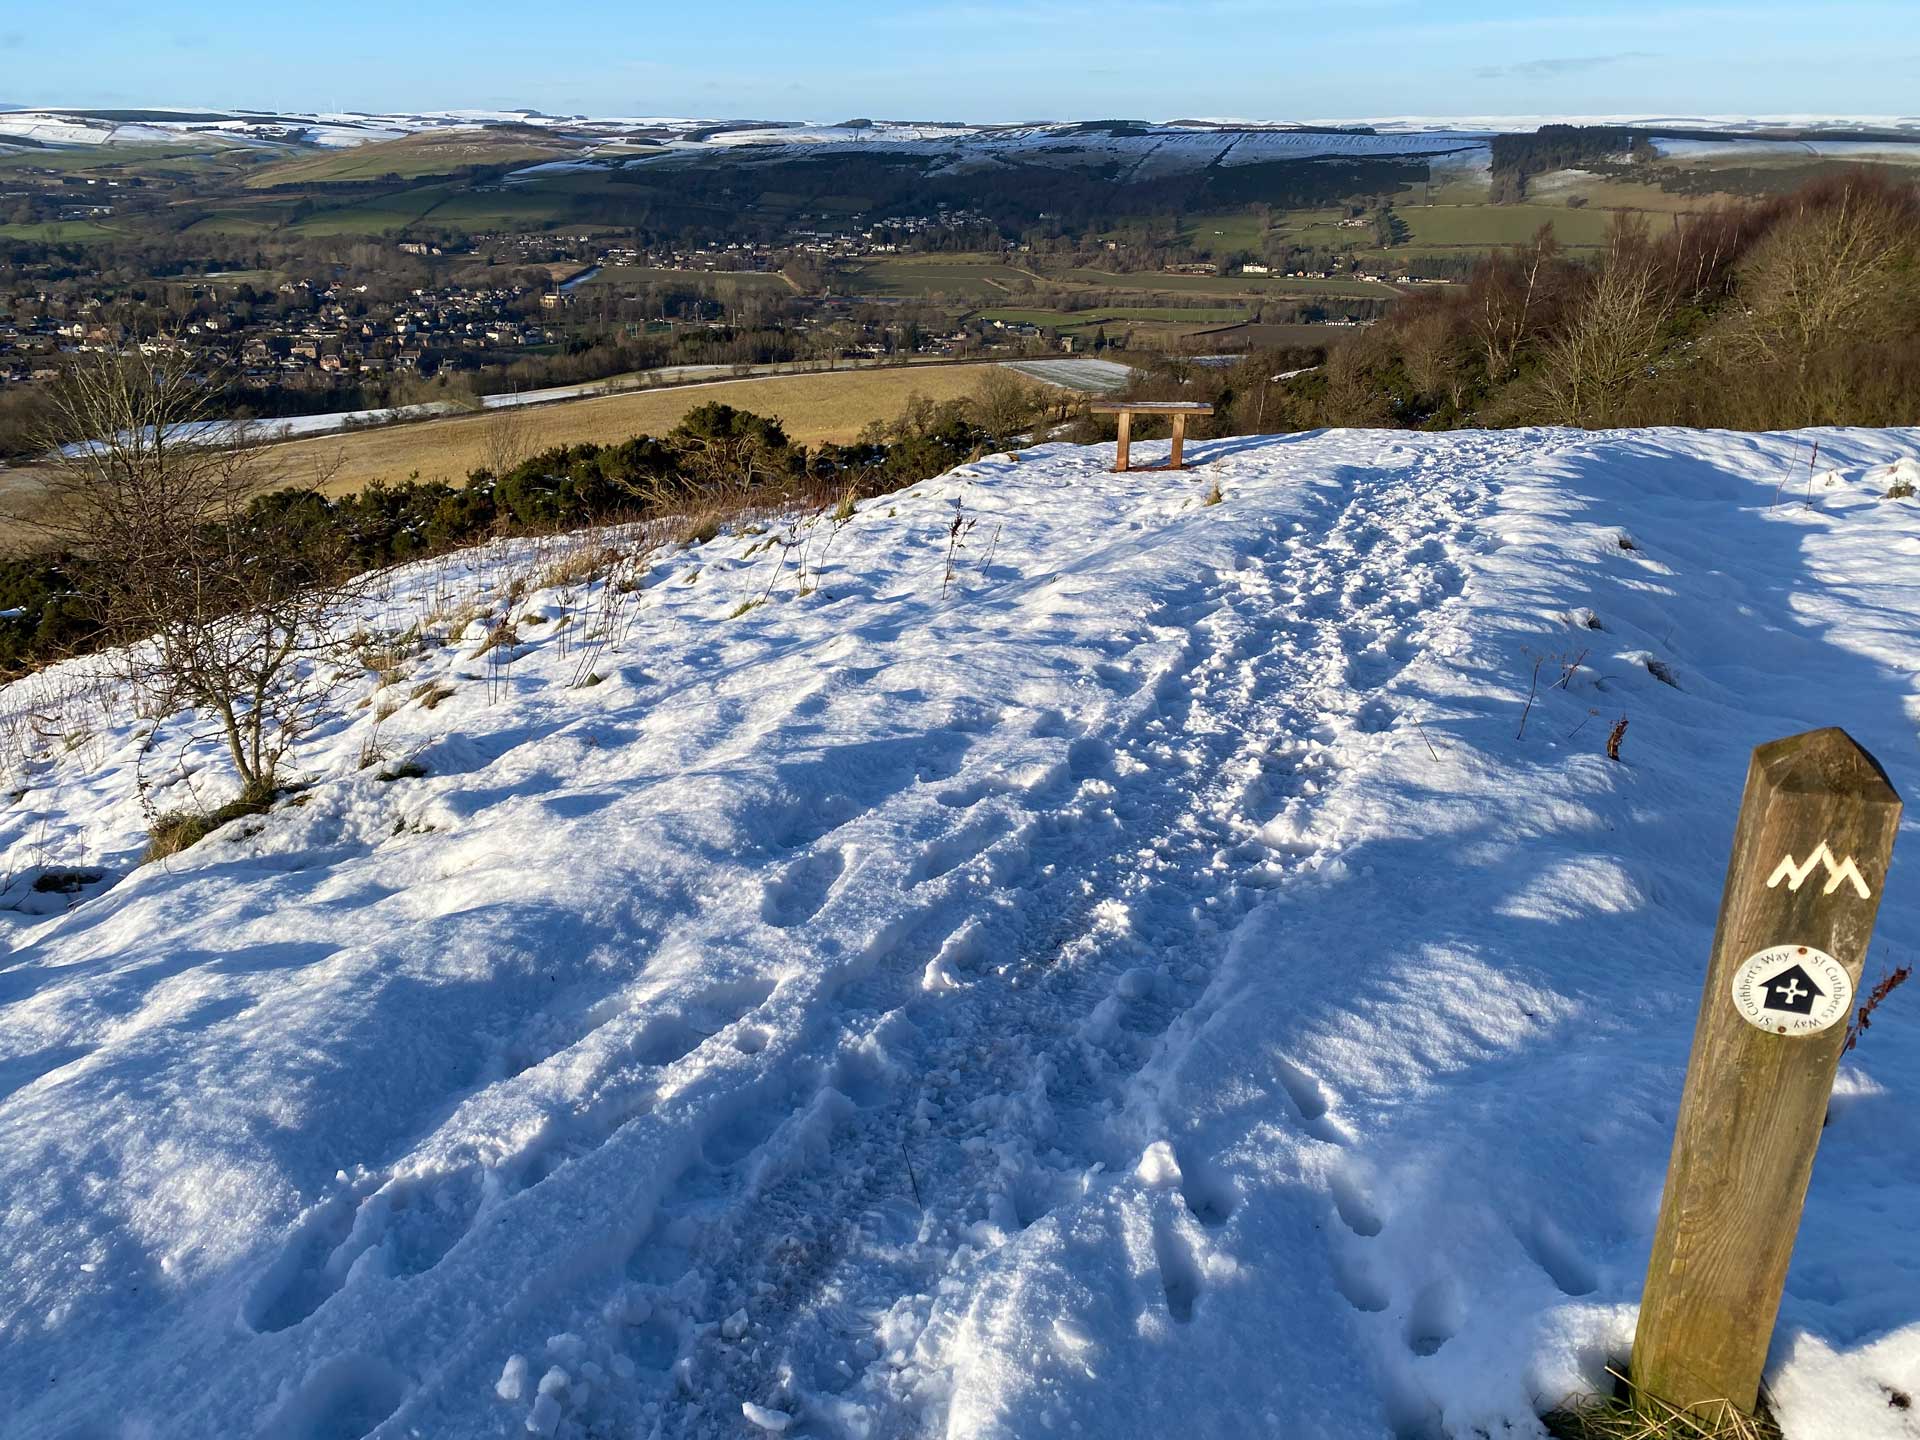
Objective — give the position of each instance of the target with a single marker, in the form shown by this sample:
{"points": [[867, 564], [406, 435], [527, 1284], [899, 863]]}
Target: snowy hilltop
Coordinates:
{"points": [[1049, 952], [1148, 148]]}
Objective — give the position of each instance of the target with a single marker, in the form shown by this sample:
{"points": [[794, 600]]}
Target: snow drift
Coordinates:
{"points": [[1111, 965]]}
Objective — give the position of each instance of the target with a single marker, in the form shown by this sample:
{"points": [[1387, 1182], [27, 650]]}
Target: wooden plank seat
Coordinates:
{"points": [[1127, 409]]}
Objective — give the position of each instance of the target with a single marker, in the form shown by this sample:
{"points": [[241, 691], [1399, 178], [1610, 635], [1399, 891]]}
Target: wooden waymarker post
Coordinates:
{"points": [[1810, 857], [1127, 409]]}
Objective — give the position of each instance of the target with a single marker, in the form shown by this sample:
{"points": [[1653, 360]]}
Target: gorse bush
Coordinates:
{"points": [[715, 462], [42, 611]]}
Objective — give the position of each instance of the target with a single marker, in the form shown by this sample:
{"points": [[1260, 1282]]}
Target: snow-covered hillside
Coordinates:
{"points": [[1148, 149], [1117, 970]]}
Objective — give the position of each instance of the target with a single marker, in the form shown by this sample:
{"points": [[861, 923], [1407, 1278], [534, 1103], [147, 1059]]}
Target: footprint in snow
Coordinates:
{"points": [[1352, 1205], [797, 895], [1309, 1102], [1179, 1271], [1437, 1315], [953, 851]]}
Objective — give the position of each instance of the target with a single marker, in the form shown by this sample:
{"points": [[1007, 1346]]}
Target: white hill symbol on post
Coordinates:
{"points": [[1796, 874]]}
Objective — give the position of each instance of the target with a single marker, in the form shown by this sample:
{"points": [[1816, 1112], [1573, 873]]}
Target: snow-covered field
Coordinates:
{"points": [[1085, 374], [1126, 975], [67, 128], [1153, 150], [1846, 150]]}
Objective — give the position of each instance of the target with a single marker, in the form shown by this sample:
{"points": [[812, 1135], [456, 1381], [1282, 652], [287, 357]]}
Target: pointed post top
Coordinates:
{"points": [[1828, 762]]}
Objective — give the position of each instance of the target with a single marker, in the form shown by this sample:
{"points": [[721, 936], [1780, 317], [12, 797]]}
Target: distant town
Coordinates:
{"points": [[316, 326]]}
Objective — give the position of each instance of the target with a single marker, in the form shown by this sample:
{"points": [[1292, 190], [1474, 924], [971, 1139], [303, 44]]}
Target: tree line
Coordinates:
{"points": [[1799, 310]]}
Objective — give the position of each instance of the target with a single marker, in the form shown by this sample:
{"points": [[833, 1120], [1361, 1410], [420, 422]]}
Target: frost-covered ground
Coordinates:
{"points": [[1133, 979]]}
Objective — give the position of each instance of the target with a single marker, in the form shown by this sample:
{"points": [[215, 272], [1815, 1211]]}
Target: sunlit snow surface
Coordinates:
{"points": [[1115, 971]]}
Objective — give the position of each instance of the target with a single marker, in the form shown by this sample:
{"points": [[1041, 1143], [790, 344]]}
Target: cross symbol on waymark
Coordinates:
{"points": [[1791, 990]]}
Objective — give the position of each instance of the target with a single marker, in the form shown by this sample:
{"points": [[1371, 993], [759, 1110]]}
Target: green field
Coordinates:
{"points": [[255, 220], [1218, 236], [411, 158], [1273, 336], [1319, 228], [987, 278], [61, 232], [1224, 285], [78, 158], [521, 206], [982, 277], [649, 274], [375, 215], [450, 205], [246, 277], [1483, 227], [1116, 315]]}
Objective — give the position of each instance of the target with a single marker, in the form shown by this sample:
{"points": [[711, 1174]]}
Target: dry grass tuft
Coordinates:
{"points": [[431, 693], [454, 617], [503, 636], [174, 831], [705, 525], [1604, 1417], [386, 655], [579, 566]]}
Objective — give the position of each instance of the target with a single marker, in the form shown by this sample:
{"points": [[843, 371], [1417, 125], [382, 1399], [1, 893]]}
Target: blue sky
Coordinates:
{"points": [[971, 60]]}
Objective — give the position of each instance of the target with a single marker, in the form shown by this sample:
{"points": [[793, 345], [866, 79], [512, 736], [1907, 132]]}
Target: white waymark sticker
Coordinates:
{"points": [[1795, 873], [1792, 990]]}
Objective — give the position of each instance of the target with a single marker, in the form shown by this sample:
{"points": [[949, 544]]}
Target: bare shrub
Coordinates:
{"points": [[1354, 395], [209, 608], [506, 438], [1590, 367], [1507, 300], [1822, 275], [1003, 404]]}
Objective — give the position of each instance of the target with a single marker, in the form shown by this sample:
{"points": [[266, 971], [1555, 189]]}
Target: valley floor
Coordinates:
{"points": [[1068, 958]]}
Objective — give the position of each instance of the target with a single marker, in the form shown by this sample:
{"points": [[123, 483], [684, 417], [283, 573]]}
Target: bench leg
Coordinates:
{"points": [[1126, 435], [1179, 439]]}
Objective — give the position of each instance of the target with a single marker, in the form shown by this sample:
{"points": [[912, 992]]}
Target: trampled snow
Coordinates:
{"points": [[1117, 966]]}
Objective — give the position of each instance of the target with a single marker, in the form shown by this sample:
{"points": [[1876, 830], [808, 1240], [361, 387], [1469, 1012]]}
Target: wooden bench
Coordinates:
{"points": [[1127, 409]]}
